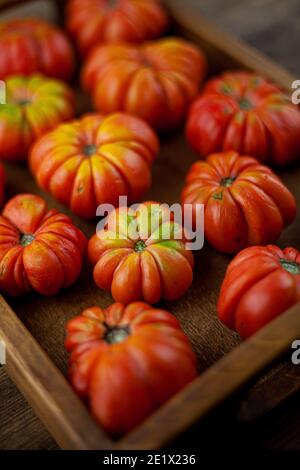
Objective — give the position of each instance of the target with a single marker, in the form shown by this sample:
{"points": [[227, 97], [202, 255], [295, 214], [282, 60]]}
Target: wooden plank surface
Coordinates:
{"points": [[46, 389], [217, 383], [20, 427], [11, 441], [272, 26]]}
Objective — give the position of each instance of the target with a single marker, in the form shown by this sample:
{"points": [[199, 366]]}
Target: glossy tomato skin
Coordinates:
{"points": [[260, 284], [245, 203], [41, 250], [34, 105], [31, 45], [155, 81], [133, 21], [149, 264], [95, 160], [244, 112], [127, 361]]}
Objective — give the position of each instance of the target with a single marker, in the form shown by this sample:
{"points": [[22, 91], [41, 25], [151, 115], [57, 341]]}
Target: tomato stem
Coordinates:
{"points": [[226, 182], [140, 246], [24, 102], [245, 104], [116, 334], [26, 239], [112, 3], [90, 150], [290, 266]]}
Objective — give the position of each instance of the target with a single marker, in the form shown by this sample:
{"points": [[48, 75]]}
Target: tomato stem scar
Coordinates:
{"points": [[245, 104], [24, 102], [140, 246], [26, 239], [290, 266], [226, 182], [90, 150], [115, 335]]}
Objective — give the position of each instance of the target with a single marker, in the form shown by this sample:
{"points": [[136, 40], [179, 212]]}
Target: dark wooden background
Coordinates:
{"points": [[273, 27]]}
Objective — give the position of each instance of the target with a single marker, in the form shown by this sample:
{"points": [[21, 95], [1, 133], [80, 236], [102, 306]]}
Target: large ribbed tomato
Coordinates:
{"points": [[155, 81], [245, 203], [260, 284], [141, 255], [244, 112], [96, 21], [34, 105], [30, 45], [127, 361], [40, 249], [95, 160]]}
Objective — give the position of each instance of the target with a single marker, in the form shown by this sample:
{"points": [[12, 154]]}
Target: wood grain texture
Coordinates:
{"points": [[272, 26], [271, 390], [20, 427], [45, 318], [46, 389], [222, 49], [218, 382]]}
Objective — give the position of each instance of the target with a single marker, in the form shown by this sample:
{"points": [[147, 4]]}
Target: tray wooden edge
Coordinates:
{"points": [[46, 389], [217, 383], [226, 49]]}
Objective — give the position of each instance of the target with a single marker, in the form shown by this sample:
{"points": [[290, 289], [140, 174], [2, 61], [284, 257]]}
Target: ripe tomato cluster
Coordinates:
{"points": [[130, 358]]}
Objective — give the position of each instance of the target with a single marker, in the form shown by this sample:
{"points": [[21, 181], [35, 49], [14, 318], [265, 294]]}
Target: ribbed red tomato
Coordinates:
{"points": [[96, 21], [245, 112], [155, 81], [245, 203], [94, 160], [127, 361], [260, 284], [29, 45], [40, 249], [34, 105], [141, 255]]}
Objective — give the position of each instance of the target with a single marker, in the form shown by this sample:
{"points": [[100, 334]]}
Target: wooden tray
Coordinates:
{"points": [[33, 326]]}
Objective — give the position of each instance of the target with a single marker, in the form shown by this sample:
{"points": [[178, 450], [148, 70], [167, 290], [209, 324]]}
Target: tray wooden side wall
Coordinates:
{"points": [[27, 323]]}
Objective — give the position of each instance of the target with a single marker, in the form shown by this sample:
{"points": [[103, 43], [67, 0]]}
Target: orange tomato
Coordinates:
{"points": [[127, 361], [92, 21], [95, 160], [40, 249], [34, 105], [245, 203], [155, 81], [141, 255]]}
